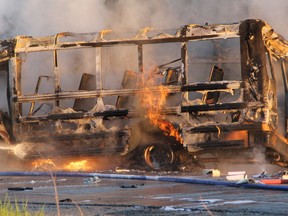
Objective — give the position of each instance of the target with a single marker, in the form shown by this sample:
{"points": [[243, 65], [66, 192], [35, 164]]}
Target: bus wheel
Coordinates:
{"points": [[158, 156]]}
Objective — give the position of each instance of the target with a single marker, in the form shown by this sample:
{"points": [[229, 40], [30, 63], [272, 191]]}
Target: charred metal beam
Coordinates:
{"points": [[213, 107], [213, 85], [220, 144], [91, 44], [57, 137], [140, 58], [143, 36], [15, 65], [78, 153], [57, 87], [184, 69], [205, 86], [76, 115], [98, 55], [285, 82], [225, 128], [254, 72], [284, 75], [183, 34], [127, 112]]}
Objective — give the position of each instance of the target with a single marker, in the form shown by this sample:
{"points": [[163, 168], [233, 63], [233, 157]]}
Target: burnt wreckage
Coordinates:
{"points": [[65, 92]]}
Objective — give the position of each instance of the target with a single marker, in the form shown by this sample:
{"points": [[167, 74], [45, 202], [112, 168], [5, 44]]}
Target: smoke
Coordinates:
{"points": [[38, 18], [172, 14]]}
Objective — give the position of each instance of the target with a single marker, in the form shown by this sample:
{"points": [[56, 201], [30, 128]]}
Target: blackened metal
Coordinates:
{"points": [[98, 53], [207, 86], [79, 152], [284, 75], [140, 58], [163, 65], [216, 74], [76, 115], [225, 85], [60, 46], [225, 128], [269, 56], [172, 76], [285, 81], [184, 66], [212, 107], [129, 82], [56, 71], [36, 92], [220, 144], [252, 113], [87, 83], [127, 112], [253, 61], [71, 136], [184, 69]]}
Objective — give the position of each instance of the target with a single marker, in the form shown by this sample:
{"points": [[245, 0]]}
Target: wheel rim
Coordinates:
{"points": [[158, 156]]}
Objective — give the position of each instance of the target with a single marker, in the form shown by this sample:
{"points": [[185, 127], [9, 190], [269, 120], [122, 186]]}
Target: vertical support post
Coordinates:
{"points": [[57, 84], [57, 77], [273, 76], [254, 74], [98, 68], [14, 90], [18, 68], [98, 77], [57, 87], [284, 74], [184, 69], [140, 58]]}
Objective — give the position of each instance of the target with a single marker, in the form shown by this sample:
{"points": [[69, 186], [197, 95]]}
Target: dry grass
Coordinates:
{"points": [[14, 209]]}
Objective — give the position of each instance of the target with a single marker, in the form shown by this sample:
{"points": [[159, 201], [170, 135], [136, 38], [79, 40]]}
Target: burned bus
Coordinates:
{"points": [[151, 93]]}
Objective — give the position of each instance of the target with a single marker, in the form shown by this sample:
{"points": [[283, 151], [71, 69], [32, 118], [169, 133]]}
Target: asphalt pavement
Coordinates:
{"points": [[110, 196]]}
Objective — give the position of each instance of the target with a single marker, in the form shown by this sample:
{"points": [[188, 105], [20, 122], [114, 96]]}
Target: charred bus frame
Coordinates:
{"points": [[255, 113]]}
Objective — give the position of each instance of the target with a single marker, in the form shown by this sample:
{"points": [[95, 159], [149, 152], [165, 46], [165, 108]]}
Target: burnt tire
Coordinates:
{"points": [[159, 157]]}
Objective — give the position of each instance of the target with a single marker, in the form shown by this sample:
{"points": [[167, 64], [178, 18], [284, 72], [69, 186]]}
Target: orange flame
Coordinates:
{"points": [[48, 164], [77, 165], [238, 135], [154, 102], [43, 164]]}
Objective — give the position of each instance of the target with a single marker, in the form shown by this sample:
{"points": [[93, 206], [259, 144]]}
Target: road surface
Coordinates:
{"points": [[140, 197]]}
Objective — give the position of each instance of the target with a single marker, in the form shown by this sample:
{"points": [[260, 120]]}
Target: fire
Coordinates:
{"points": [[46, 164], [238, 135], [78, 165], [154, 102]]}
